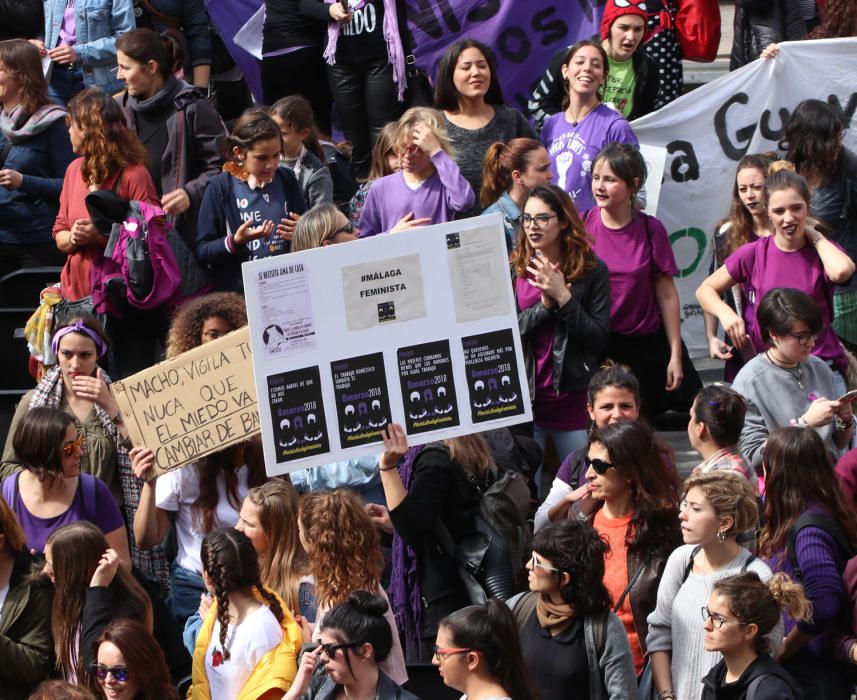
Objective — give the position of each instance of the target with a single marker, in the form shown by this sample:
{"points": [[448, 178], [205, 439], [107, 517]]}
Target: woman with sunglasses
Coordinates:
{"points": [[355, 638], [569, 636], [717, 506], [788, 384], [632, 502], [563, 298], [51, 491], [130, 665], [740, 611], [323, 225]]}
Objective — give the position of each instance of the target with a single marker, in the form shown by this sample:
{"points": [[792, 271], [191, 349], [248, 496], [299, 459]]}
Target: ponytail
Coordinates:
{"points": [[501, 159], [790, 596]]}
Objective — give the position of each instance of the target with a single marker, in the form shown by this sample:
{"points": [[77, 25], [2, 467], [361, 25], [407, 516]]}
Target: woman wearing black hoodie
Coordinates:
{"points": [[740, 612]]}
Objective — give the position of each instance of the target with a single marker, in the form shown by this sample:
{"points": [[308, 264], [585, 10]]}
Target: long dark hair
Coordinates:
{"points": [[655, 487], [741, 229], [22, 61], [811, 138], [491, 630], [145, 660], [229, 560], [445, 94], [799, 474], [573, 49]]}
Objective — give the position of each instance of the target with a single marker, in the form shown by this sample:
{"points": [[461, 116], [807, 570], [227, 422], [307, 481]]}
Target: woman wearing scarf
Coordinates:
{"points": [[181, 131], [79, 387], [569, 636], [35, 151], [366, 71]]}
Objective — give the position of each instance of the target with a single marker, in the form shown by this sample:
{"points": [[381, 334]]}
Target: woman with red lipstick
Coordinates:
{"points": [[562, 292], [632, 503]]}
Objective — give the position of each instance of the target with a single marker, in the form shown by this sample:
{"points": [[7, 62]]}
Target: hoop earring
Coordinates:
{"points": [[721, 536]]}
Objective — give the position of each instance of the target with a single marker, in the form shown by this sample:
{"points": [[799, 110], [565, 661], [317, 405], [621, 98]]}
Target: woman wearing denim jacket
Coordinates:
{"points": [[80, 37]]}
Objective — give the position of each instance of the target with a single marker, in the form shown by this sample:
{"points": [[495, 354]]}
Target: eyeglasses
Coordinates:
{"points": [[440, 653], [100, 671], [804, 338], [69, 448], [599, 465], [540, 219], [537, 565], [718, 620], [331, 649]]}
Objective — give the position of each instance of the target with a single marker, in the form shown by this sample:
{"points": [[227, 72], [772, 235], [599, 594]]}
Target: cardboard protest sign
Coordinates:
{"points": [[192, 405]]}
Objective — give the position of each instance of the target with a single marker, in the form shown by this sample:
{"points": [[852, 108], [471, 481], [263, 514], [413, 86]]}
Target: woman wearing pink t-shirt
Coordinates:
{"points": [[645, 324], [796, 256]]}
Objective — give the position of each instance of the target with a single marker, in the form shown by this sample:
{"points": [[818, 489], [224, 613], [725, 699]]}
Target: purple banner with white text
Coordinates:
{"points": [[524, 34]]}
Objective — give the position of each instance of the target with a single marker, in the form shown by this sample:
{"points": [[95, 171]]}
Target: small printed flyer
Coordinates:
{"points": [[476, 271], [362, 399], [492, 376], [381, 292], [428, 389], [297, 413], [285, 305]]}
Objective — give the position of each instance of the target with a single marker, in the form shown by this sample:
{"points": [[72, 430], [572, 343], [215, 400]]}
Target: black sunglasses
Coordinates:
{"points": [[331, 649], [100, 671], [599, 465]]}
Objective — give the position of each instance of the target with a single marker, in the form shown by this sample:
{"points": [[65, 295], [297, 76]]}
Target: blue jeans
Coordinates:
{"points": [[65, 83], [564, 441], [186, 588]]}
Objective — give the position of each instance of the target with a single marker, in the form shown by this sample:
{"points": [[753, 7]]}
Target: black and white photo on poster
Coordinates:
{"points": [[297, 414], [428, 388], [492, 376], [362, 399]]}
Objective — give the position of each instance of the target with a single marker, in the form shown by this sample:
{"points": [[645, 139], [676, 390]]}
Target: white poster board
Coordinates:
{"points": [[418, 328]]}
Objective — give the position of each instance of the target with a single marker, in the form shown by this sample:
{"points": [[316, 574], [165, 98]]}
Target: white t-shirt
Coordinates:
{"points": [[176, 491], [247, 643]]}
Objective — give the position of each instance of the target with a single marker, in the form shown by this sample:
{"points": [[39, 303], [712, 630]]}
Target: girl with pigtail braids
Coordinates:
{"points": [[249, 642]]}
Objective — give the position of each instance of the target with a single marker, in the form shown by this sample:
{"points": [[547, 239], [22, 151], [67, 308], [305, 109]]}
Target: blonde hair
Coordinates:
{"points": [[430, 118], [471, 452], [731, 496], [384, 146], [314, 227]]}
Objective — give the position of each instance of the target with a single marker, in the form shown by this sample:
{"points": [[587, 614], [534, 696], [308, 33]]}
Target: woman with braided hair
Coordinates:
{"points": [[249, 643]]}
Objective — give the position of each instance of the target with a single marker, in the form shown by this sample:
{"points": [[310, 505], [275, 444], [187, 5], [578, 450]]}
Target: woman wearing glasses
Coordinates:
{"points": [[645, 320], [632, 503], [717, 507], [355, 639], [569, 636], [130, 665], [563, 298], [798, 256], [741, 610], [787, 384], [52, 491], [323, 225]]}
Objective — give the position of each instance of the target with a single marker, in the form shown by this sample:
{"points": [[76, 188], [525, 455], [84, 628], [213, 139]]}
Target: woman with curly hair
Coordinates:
{"points": [[716, 508], [562, 292], [810, 533], [248, 646], [838, 19], [632, 503], [344, 555], [566, 609], [129, 664], [203, 319]]}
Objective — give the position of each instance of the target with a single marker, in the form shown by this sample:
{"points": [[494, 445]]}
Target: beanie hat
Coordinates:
{"points": [[617, 8]]}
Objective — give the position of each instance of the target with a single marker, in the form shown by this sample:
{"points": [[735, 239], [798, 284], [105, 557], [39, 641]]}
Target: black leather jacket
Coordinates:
{"points": [[581, 335], [762, 22]]}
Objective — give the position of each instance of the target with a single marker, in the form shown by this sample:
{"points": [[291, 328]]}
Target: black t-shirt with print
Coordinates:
{"points": [[362, 39]]}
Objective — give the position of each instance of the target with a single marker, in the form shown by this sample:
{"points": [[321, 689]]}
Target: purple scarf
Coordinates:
{"points": [[395, 51], [405, 594]]}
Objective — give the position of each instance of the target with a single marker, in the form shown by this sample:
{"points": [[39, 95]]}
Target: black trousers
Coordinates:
{"points": [[301, 72], [366, 99]]}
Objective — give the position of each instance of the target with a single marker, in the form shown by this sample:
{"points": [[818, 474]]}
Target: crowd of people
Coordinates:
{"points": [[220, 582]]}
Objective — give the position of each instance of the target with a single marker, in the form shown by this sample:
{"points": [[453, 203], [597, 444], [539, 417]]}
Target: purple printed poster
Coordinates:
{"points": [[524, 35]]}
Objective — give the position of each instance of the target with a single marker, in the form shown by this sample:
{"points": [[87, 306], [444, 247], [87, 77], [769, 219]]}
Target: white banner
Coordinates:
{"points": [[417, 328], [707, 132]]}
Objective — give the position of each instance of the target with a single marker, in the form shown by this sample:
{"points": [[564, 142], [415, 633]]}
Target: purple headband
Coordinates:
{"points": [[78, 327]]}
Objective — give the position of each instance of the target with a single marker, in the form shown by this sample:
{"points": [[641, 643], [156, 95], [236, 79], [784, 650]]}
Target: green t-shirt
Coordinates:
{"points": [[619, 90]]}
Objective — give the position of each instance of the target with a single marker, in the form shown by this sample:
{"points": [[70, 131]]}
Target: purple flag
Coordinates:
{"points": [[523, 33]]}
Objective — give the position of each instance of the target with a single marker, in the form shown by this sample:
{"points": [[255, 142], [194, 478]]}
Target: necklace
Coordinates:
{"points": [[575, 120], [797, 376]]}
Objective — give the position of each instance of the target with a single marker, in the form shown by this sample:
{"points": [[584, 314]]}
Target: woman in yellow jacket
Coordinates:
{"points": [[248, 645]]}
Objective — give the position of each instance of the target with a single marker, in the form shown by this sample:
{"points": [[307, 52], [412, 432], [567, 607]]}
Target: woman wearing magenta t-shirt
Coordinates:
{"points": [[563, 298], [796, 256], [575, 136], [645, 326]]}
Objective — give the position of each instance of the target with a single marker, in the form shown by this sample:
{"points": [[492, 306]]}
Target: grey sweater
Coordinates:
{"points": [[313, 177], [470, 145], [775, 398]]}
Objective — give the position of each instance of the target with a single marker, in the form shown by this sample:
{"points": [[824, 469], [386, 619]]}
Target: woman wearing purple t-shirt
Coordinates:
{"points": [[796, 256], [575, 136], [645, 326], [563, 297]]}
